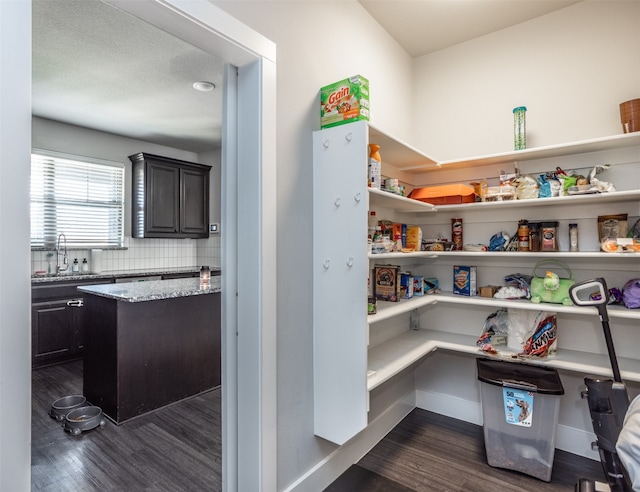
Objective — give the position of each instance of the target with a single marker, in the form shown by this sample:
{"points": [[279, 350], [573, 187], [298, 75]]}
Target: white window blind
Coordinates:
{"points": [[82, 200]]}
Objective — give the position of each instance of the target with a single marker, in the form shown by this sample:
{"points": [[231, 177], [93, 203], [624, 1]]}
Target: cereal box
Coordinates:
{"points": [[344, 101], [406, 285], [418, 285], [464, 280], [387, 282]]}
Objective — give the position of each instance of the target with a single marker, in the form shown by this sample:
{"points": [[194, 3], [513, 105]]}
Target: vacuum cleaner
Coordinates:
{"points": [[607, 398]]}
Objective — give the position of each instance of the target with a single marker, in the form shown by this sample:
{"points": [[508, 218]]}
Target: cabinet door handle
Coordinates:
{"points": [[75, 303]]}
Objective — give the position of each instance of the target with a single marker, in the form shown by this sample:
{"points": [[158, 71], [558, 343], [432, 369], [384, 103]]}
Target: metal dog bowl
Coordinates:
{"points": [[83, 419], [62, 406]]}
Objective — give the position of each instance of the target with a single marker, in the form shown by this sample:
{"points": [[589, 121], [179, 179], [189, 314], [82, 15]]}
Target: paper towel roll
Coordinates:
{"points": [[96, 261]]}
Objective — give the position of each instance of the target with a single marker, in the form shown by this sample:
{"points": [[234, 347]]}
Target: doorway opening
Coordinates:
{"points": [[247, 254]]}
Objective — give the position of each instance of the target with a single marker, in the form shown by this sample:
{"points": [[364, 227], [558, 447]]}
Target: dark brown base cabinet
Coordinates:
{"points": [[57, 323], [140, 356], [53, 333], [170, 198]]}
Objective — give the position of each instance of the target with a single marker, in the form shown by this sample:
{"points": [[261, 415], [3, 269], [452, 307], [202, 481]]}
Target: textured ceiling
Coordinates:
{"points": [[97, 67]]}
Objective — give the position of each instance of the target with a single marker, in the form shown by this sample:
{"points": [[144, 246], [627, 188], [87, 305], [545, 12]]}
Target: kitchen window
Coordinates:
{"points": [[79, 197]]}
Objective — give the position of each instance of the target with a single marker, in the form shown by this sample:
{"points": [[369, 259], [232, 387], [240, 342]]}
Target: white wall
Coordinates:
{"points": [[571, 69], [139, 253], [317, 43]]}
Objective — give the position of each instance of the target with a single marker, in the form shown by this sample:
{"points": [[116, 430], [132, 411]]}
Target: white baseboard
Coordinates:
{"points": [[324, 473], [576, 441], [570, 439], [458, 408]]}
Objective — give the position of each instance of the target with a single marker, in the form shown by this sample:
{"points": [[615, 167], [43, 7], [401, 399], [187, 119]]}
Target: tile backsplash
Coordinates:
{"points": [[144, 254]]}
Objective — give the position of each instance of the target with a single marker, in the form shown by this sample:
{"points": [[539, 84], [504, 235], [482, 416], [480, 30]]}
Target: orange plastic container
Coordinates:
{"points": [[444, 194]]}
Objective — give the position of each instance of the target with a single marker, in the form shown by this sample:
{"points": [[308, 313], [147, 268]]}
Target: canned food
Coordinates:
{"points": [[456, 234]]}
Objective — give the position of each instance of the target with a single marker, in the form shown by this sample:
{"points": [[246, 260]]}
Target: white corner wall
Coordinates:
{"points": [[570, 68], [313, 52]]}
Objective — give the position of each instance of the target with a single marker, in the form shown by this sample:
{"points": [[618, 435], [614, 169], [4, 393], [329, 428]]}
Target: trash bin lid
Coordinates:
{"points": [[546, 380]]}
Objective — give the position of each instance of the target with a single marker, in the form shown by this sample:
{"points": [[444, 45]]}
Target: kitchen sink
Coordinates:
{"points": [[63, 274]]}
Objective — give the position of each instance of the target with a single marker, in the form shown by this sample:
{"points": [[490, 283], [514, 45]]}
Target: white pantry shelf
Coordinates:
{"points": [[346, 368], [588, 255], [398, 153], [580, 147], [390, 358], [386, 309], [381, 198]]}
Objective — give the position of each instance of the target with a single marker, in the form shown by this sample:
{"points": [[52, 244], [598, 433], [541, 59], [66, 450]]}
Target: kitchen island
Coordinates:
{"points": [[149, 344]]}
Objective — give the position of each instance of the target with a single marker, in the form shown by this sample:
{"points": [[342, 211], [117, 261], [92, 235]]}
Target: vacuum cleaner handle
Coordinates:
{"points": [[592, 292]]}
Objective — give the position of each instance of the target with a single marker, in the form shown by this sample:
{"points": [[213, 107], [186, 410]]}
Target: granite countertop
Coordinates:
{"points": [[38, 279], [153, 290]]}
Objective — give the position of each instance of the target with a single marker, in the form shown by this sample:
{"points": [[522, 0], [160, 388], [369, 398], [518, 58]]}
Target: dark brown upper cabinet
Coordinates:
{"points": [[170, 197]]}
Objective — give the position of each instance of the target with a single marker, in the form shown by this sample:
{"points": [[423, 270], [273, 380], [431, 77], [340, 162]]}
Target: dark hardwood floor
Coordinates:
{"points": [[431, 452], [176, 448]]}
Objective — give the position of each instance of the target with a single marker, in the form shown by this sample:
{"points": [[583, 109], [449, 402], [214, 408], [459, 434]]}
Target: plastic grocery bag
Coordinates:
{"points": [[525, 333], [631, 293]]}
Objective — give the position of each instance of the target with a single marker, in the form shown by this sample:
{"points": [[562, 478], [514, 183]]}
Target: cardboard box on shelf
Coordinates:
{"points": [[406, 285], [386, 282], [488, 290], [464, 280], [418, 285], [344, 101]]}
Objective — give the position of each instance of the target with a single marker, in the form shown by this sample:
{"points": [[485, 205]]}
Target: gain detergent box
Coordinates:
{"points": [[344, 101]]}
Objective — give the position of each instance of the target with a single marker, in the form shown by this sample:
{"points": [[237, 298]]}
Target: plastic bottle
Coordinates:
{"points": [[76, 266], [573, 237], [519, 128], [375, 166], [373, 222], [85, 265]]}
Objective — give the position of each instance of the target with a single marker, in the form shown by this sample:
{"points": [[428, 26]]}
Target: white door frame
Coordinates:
{"points": [[248, 253]]}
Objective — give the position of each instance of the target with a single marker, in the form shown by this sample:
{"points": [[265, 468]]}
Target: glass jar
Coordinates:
{"points": [[523, 235], [534, 236], [548, 238], [205, 276]]}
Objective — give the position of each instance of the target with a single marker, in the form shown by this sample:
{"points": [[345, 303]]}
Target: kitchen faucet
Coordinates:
{"points": [[65, 258]]}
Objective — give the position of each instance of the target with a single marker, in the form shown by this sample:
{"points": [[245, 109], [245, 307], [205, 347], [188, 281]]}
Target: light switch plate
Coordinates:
{"points": [[214, 228]]}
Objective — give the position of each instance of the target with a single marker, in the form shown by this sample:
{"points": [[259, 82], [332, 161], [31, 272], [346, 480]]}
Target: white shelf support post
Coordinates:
{"points": [[340, 266]]}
